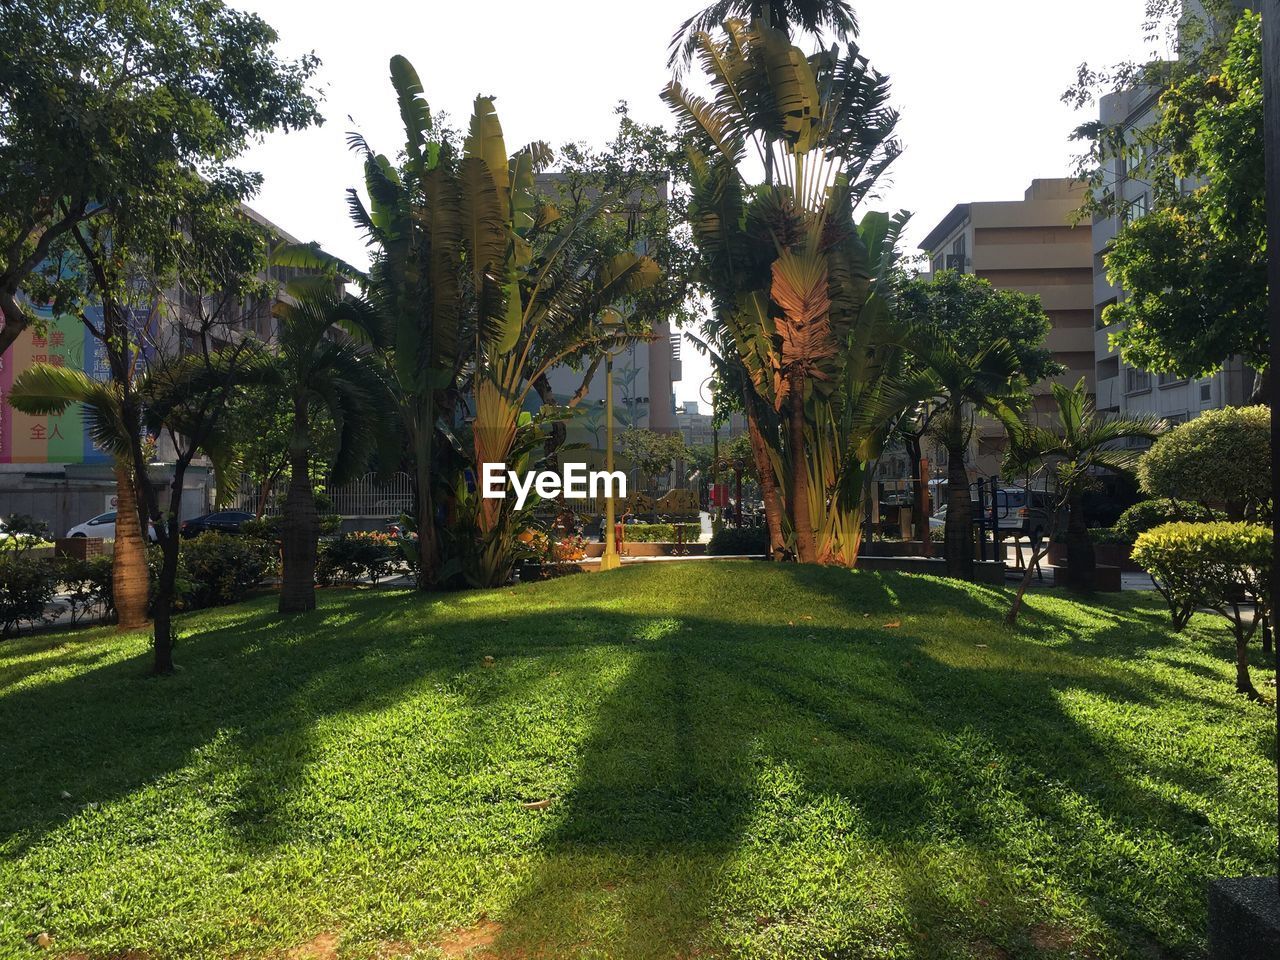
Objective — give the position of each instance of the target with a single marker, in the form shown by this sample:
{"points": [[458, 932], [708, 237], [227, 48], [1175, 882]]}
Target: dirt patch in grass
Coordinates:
{"points": [[468, 940], [323, 946]]}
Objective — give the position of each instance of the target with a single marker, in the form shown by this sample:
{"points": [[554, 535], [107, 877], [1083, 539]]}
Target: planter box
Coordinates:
{"points": [[1118, 555], [893, 548], [79, 548], [1106, 579], [596, 550]]}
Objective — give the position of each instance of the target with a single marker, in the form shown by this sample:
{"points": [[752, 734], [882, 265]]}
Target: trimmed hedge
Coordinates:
{"points": [[660, 532], [1205, 564], [1148, 514], [739, 541], [357, 556]]}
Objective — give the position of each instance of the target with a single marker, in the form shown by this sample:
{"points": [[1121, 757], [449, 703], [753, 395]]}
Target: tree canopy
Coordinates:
{"points": [[148, 101], [1194, 269], [969, 314]]}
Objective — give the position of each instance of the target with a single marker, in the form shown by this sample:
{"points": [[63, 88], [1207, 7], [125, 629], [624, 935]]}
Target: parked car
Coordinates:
{"points": [[223, 521], [1018, 511], [104, 526]]}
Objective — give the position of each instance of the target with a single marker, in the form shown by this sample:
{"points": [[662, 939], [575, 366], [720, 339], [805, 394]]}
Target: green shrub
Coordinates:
{"points": [[1107, 535], [357, 556], [1147, 514], [26, 589], [739, 541], [1223, 566], [1221, 457], [86, 584], [661, 532], [1205, 564], [217, 569]]}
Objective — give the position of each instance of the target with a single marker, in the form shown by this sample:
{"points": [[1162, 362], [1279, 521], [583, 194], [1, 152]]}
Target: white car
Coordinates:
{"points": [[104, 526]]}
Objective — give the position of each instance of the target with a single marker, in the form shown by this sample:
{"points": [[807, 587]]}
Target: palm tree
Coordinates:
{"points": [[964, 387], [323, 365], [810, 16], [801, 305], [1083, 444], [45, 390]]}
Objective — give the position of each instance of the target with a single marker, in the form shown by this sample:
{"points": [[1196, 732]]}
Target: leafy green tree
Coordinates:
{"points": [[131, 102], [962, 387], [1193, 270], [1221, 458], [1072, 453], [968, 314], [322, 366], [653, 453]]}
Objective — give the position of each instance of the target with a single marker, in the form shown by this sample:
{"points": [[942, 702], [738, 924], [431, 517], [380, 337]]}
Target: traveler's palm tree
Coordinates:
{"points": [[45, 390], [796, 285], [322, 364], [1083, 444], [808, 16], [986, 383]]}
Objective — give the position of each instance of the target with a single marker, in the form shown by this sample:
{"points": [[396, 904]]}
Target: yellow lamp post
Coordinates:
{"points": [[611, 559]]}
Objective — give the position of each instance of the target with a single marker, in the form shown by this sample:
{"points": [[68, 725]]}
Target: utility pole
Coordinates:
{"points": [[1271, 146]]}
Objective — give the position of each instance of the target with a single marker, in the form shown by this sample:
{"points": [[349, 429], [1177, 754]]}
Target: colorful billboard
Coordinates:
{"points": [[64, 342]]}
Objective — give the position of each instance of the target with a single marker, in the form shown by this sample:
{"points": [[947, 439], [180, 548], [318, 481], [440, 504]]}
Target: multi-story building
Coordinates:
{"points": [[1122, 388], [699, 428], [644, 375], [1032, 245], [49, 466]]}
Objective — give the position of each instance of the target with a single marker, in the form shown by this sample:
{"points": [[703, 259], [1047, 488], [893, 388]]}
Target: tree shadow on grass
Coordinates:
{"points": [[788, 785]]}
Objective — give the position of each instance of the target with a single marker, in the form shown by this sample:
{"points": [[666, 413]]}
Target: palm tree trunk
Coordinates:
{"points": [[958, 533], [301, 525], [801, 520], [768, 483], [129, 581], [424, 505], [1081, 562]]}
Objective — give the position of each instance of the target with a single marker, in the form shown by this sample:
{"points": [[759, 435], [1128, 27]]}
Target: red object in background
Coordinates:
{"points": [[720, 495]]}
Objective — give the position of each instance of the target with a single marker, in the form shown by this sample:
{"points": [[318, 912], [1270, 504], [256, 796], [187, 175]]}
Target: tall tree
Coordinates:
{"points": [[1194, 269], [325, 362], [107, 103], [964, 386], [802, 298]]}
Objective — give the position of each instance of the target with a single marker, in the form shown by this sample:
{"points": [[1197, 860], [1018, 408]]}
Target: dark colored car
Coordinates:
{"points": [[224, 521]]}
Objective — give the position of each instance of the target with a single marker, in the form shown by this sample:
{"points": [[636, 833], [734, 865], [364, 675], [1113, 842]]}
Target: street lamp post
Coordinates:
{"points": [[610, 560]]}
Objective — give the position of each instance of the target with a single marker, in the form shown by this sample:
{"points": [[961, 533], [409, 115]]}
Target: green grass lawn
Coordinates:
{"points": [[740, 759]]}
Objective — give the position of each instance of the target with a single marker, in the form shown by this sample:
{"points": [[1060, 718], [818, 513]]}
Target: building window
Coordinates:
{"points": [[1136, 381], [1138, 208], [1171, 380], [1206, 393], [939, 264]]}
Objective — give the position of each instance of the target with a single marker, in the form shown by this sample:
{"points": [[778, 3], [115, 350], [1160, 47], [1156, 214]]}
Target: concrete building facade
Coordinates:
{"points": [[1122, 388], [1032, 245]]}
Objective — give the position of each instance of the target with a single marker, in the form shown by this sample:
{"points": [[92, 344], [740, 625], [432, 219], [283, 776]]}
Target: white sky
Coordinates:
{"points": [[977, 84]]}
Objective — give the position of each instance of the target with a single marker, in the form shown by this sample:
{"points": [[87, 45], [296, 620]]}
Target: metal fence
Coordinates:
{"points": [[367, 498]]}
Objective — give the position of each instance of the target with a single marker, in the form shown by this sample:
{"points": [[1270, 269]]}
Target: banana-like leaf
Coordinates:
{"points": [[484, 142], [414, 111]]}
